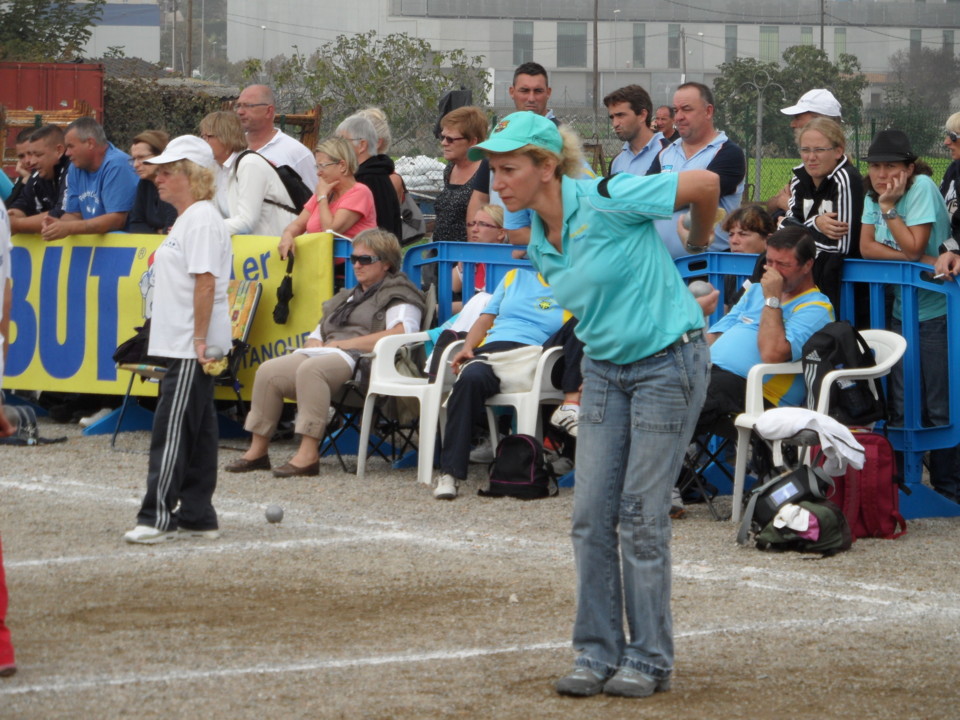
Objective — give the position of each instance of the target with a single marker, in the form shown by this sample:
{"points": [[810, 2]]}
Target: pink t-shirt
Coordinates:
{"points": [[359, 199]]}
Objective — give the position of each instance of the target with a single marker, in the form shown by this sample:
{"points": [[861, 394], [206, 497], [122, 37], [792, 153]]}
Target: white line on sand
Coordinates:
{"points": [[91, 683]]}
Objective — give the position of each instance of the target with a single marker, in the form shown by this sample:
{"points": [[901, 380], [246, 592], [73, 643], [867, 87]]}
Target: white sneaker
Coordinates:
{"points": [[100, 414], [146, 535], [483, 452], [198, 534], [446, 488], [565, 418]]}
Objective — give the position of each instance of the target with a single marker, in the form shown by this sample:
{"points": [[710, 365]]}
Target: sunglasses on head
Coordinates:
{"points": [[364, 259], [952, 135]]}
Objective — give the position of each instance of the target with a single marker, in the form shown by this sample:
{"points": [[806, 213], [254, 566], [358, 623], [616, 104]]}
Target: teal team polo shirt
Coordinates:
{"points": [[921, 204], [615, 274]]}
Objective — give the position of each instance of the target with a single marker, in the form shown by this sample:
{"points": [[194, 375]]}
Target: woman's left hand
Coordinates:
{"points": [[830, 226]]}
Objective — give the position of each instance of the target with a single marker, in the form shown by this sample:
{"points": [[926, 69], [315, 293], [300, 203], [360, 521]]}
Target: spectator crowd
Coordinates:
{"points": [[643, 372]]}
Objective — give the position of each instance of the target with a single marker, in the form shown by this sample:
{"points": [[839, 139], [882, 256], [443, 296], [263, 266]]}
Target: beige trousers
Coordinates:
{"points": [[311, 381]]}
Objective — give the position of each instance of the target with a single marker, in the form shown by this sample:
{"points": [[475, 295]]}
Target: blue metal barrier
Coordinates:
{"points": [[912, 438], [498, 260]]}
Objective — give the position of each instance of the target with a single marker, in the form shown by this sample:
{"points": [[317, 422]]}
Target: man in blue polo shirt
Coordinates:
{"points": [[101, 185], [630, 108], [700, 147], [770, 324]]}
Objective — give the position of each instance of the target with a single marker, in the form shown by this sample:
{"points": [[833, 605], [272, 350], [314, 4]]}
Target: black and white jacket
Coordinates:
{"points": [[841, 192]]}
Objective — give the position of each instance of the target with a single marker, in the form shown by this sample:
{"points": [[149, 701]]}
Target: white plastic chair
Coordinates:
{"points": [[527, 404], [888, 347], [386, 381]]}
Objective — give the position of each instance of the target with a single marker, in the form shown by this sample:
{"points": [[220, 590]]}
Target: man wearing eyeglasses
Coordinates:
{"points": [[770, 324], [256, 108]]}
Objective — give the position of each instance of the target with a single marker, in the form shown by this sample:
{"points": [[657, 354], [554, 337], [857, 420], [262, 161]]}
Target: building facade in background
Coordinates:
{"points": [[654, 44]]}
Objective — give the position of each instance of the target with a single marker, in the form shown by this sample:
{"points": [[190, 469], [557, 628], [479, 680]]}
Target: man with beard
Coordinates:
{"points": [[630, 108]]}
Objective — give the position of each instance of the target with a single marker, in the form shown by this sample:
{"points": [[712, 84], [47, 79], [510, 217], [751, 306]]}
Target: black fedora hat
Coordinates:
{"points": [[890, 146]]}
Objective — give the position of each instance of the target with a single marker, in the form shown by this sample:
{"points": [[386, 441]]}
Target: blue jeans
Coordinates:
{"points": [[635, 424], [935, 401]]}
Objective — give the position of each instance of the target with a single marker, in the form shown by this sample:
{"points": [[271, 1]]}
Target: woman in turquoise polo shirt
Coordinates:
{"points": [[645, 376]]}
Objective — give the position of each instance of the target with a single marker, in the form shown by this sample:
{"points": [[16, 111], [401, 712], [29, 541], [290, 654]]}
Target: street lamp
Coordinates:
{"points": [[616, 43], [263, 45]]}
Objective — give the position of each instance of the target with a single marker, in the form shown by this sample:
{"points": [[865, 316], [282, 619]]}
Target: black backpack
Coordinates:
{"points": [[297, 189], [839, 345], [520, 470]]}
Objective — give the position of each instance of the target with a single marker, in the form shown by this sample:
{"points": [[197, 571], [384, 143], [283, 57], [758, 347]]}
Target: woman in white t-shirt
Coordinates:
{"points": [[250, 194], [190, 322]]}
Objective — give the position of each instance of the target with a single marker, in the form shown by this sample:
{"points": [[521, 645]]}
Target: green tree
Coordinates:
{"points": [[401, 74], [46, 30], [916, 103], [804, 67]]}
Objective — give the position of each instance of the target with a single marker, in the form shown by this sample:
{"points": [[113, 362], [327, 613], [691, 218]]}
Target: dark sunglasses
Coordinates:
{"points": [[953, 136], [364, 259]]}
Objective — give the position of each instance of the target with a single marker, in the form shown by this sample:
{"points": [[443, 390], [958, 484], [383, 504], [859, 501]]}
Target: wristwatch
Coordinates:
{"points": [[691, 248], [772, 302], [890, 214]]}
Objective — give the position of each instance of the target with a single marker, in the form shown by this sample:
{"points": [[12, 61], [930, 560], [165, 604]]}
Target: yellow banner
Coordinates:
{"points": [[76, 299]]}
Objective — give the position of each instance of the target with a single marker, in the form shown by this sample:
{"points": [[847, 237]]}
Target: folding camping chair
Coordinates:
{"points": [[243, 298], [394, 430]]}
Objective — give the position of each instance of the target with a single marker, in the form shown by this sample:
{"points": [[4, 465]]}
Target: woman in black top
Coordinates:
{"points": [[461, 129], [827, 192], [149, 213]]}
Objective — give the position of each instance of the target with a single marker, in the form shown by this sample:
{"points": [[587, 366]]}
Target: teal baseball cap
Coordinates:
{"points": [[518, 130]]}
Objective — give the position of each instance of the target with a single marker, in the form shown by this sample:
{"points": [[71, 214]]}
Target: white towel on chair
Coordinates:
{"points": [[838, 443]]}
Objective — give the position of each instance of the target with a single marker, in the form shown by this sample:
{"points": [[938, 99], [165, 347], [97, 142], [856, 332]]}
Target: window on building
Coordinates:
{"points": [[839, 41], [571, 44], [673, 46], [730, 46], [769, 43], [806, 35], [522, 42], [916, 40], [948, 42], [639, 45]]}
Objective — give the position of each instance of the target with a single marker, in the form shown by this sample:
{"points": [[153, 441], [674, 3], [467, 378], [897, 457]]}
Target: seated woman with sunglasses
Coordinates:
{"points": [[486, 227], [384, 302], [340, 203]]}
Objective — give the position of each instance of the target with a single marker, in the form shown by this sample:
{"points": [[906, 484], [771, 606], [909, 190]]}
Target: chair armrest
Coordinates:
{"points": [[383, 367], [445, 374], [754, 399], [542, 378]]}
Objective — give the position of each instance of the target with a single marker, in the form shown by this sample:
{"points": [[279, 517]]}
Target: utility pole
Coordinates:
{"points": [[596, 71], [189, 38], [822, 12], [683, 55]]}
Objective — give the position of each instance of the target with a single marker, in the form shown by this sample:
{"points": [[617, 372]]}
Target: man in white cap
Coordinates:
{"points": [[815, 103]]}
